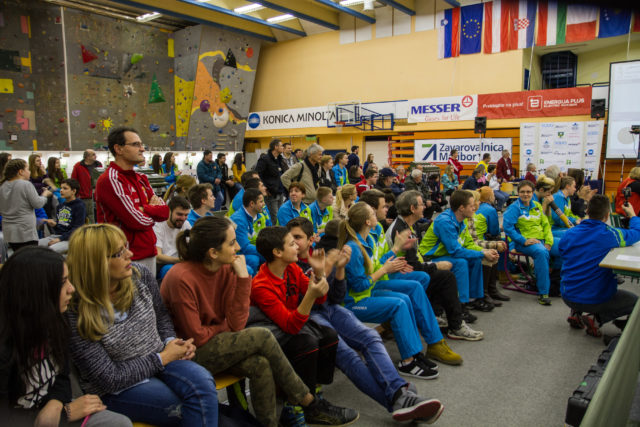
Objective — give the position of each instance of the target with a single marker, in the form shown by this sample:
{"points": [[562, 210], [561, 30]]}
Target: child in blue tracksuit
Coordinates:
{"points": [[586, 287], [294, 207], [250, 220], [322, 209], [339, 170]]}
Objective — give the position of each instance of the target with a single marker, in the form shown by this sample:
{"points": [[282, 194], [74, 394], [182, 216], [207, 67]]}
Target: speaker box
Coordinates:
{"points": [[597, 108], [480, 125]]}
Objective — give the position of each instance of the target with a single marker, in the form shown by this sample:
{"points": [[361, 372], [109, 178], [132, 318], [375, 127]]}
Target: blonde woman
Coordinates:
{"points": [[123, 341], [449, 181], [345, 198], [38, 173]]}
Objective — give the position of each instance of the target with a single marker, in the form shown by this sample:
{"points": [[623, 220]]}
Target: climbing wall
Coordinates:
{"points": [[119, 74], [222, 76]]}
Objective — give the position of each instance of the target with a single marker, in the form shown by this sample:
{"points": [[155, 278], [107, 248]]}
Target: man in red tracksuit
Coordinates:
{"points": [[125, 198]]}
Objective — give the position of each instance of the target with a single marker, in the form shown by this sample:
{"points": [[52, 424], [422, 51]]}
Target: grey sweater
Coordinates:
{"points": [[127, 353], [18, 199]]}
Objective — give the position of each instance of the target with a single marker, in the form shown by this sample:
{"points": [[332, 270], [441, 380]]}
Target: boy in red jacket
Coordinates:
{"points": [[282, 298], [125, 199]]}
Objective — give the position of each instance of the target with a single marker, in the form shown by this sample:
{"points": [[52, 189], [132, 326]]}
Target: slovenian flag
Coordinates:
{"points": [[581, 23], [471, 28], [509, 24], [614, 22], [448, 33]]}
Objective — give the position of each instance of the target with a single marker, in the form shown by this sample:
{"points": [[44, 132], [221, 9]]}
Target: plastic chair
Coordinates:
{"points": [[616, 220], [527, 283]]}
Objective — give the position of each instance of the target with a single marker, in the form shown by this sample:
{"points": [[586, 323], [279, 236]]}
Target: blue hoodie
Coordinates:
{"points": [[246, 232], [340, 174], [583, 247], [69, 216], [287, 212]]}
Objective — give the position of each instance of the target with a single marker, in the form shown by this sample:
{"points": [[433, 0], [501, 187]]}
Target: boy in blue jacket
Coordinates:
{"points": [[586, 287], [250, 220], [69, 216]]}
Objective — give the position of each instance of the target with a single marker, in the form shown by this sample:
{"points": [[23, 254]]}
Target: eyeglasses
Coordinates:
{"points": [[136, 144], [121, 252]]}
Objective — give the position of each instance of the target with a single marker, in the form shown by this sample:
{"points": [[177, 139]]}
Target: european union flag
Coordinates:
{"points": [[471, 28], [614, 22]]}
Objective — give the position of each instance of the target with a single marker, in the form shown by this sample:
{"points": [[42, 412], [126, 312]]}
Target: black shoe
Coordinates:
{"points": [[490, 300], [481, 305], [426, 361], [321, 412], [467, 316], [620, 323], [498, 296], [620, 280], [417, 369]]}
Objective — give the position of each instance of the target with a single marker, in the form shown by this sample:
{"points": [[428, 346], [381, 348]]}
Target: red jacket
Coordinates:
{"points": [[81, 174], [362, 186], [530, 177], [634, 200], [504, 169], [456, 166], [279, 298], [122, 199]]}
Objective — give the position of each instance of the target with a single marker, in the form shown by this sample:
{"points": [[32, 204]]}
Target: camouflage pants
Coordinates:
{"points": [[254, 353]]}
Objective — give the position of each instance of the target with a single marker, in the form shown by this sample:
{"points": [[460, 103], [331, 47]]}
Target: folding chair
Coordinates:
{"points": [[527, 282]]}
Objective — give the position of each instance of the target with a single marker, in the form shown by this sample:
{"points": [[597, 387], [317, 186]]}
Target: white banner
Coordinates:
{"points": [[470, 150], [448, 109], [312, 117], [565, 144]]}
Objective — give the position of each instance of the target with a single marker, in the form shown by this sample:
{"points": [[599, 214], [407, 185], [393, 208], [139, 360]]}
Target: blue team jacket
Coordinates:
{"points": [[491, 217], [245, 231], [340, 175], [287, 212]]}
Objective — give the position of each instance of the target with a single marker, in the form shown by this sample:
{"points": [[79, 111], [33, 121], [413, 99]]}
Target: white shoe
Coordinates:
{"points": [[465, 333]]}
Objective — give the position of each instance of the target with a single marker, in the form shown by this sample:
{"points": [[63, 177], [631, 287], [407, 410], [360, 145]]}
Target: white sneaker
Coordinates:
{"points": [[442, 321], [465, 333]]}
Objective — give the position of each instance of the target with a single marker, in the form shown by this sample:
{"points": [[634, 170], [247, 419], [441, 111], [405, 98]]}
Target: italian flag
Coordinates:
{"points": [[581, 23], [552, 20]]}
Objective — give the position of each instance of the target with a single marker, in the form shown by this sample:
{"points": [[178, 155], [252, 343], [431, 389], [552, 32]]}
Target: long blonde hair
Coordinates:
{"points": [[448, 170], [345, 192], [357, 219], [90, 248], [36, 172]]}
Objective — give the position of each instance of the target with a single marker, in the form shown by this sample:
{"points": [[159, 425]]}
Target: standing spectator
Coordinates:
{"points": [[238, 168], [156, 164], [54, 172], [167, 232], [494, 183], [209, 172], [306, 172], [367, 162], [125, 197], [169, 168], [449, 180], [69, 217], [340, 173], [4, 159], [18, 199], [270, 167], [84, 173], [34, 374], [505, 171], [327, 178], [202, 202], [455, 164], [299, 154], [486, 159], [355, 174], [38, 173], [353, 159], [288, 156], [531, 173], [228, 186], [633, 182], [369, 181]]}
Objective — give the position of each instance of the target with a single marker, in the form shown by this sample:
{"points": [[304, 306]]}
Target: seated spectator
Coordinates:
{"points": [[250, 221], [531, 173], [345, 198], [18, 199], [401, 171], [247, 177], [500, 196], [181, 188], [355, 174], [369, 181], [583, 193], [322, 209], [69, 216], [392, 212], [340, 174], [167, 231], [375, 375], [586, 287], [563, 200], [202, 202], [329, 240], [294, 207], [35, 386], [385, 179], [416, 183], [215, 316], [169, 168], [543, 194], [555, 174], [156, 164], [474, 181], [282, 297], [122, 339], [449, 181], [433, 183], [530, 232]]}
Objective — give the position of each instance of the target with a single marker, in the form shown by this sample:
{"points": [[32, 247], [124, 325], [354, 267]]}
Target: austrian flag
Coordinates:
{"points": [[509, 25]]}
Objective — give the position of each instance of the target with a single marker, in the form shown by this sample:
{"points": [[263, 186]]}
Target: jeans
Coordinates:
{"points": [[468, 272], [376, 375], [620, 304], [501, 198], [61, 247], [183, 394], [219, 195], [273, 204]]}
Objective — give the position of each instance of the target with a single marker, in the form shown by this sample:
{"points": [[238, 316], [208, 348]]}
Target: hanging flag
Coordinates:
{"points": [[523, 21], [581, 23], [552, 19], [496, 26], [636, 22], [614, 22], [470, 28], [448, 33]]}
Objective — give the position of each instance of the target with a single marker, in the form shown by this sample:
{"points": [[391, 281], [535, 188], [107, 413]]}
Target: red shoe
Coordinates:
{"points": [[575, 320], [591, 324]]}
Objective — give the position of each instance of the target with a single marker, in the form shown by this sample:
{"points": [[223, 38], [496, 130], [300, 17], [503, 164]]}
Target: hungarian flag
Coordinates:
{"points": [[552, 20], [448, 33], [581, 23], [614, 22], [509, 24]]}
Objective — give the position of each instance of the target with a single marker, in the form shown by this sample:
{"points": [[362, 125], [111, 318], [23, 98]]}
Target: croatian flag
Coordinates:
{"points": [[581, 23], [448, 33], [509, 25], [614, 22]]}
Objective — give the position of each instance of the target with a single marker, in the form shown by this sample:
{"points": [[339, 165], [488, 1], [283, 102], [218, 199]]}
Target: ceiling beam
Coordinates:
{"points": [[305, 10], [399, 5], [246, 17], [203, 16], [347, 10]]}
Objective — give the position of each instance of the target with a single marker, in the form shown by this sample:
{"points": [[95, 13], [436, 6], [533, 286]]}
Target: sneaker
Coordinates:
{"points": [[544, 299], [465, 333], [575, 320], [410, 406], [323, 413], [292, 416], [442, 321], [467, 316], [620, 323], [441, 351], [426, 362], [481, 305], [591, 325], [417, 369]]}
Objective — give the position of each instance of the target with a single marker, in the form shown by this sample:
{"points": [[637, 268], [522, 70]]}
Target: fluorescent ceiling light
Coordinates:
{"points": [[148, 17], [280, 18], [248, 8], [350, 2]]}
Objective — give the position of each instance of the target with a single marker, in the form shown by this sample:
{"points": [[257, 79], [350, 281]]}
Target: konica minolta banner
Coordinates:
{"points": [[452, 108]]}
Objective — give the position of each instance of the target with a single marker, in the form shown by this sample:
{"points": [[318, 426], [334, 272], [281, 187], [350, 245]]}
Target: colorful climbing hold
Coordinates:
{"points": [[204, 106], [249, 52], [136, 57], [154, 128]]}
